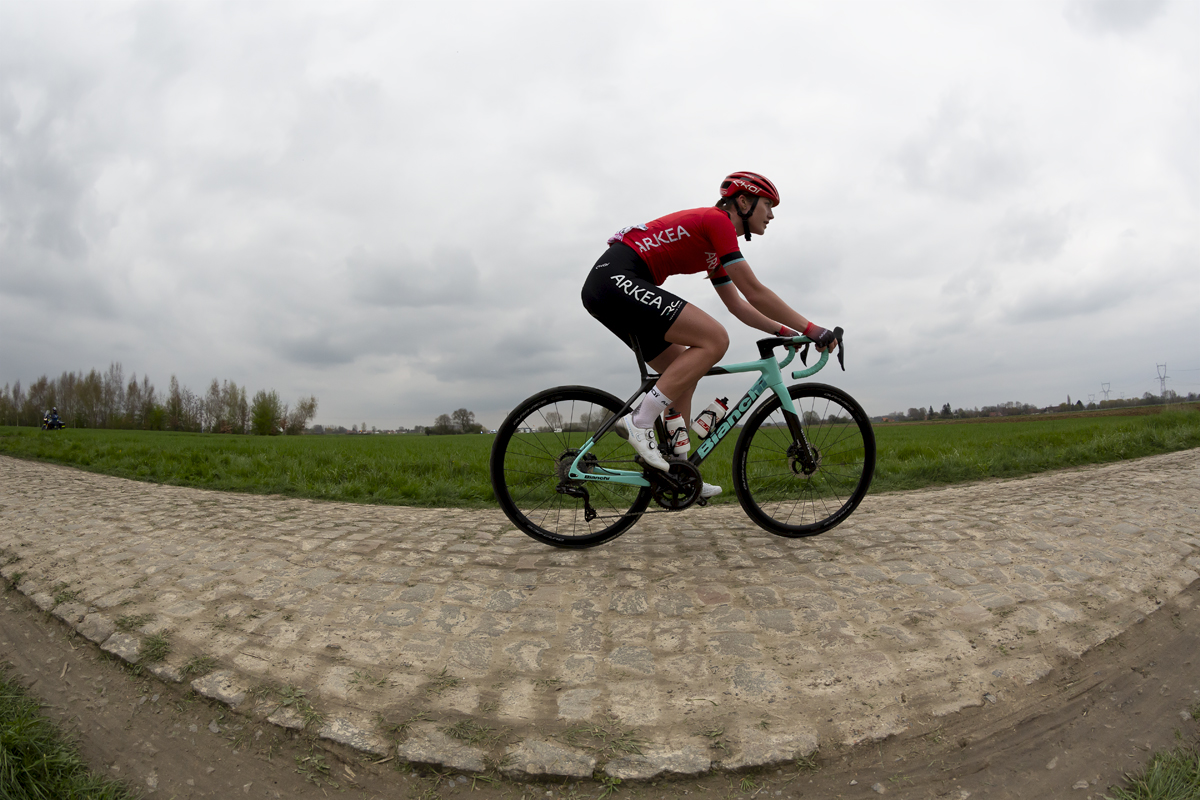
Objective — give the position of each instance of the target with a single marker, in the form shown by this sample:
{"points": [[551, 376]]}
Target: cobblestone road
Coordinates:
{"points": [[697, 639]]}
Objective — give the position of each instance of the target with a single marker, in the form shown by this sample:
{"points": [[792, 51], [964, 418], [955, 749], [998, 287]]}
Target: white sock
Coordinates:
{"points": [[653, 404]]}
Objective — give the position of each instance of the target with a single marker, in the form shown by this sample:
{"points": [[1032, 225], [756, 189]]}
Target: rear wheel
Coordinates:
{"points": [[772, 485], [530, 464]]}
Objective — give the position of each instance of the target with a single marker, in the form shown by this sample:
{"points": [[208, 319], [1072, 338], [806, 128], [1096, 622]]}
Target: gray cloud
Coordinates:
{"points": [[160, 40], [969, 286], [1114, 16], [45, 188], [964, 153], [319, 349], [285, 197], [448, 277], [1032, 235], [1049, 302]]}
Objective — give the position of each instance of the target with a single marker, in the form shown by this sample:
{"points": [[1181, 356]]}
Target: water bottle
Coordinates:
{"points": [[709, 417], [677, 436]]}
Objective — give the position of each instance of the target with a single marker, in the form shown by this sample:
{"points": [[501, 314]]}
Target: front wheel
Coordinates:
{"points": [[531, 460], [772, 484]]}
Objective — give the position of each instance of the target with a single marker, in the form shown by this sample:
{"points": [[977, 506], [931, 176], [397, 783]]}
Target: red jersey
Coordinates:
{"points": [[696, 240]]}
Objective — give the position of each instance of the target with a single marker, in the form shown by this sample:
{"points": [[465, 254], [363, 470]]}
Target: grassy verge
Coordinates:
{"points": [[1170, 775], [451, 471], [915, 456], [433, 471], [37, 762]]}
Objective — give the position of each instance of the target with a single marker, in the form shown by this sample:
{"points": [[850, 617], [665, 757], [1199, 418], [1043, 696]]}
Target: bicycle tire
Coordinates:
{"points": [[532, 451], [795, 505]]}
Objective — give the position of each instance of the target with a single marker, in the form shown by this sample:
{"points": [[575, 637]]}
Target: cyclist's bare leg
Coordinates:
{"points": [[683, 404], [698, 342]]}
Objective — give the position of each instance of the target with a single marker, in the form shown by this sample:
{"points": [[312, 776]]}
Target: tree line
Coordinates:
{"points": [[463, 421], [460, 421], [107, 400], [1012, 409]]}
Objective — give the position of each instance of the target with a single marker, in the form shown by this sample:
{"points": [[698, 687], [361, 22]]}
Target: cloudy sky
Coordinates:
{"points": [[392, 206]]}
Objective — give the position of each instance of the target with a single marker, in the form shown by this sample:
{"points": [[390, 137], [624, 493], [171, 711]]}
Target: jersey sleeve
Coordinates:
{"points": [[721, 234]]}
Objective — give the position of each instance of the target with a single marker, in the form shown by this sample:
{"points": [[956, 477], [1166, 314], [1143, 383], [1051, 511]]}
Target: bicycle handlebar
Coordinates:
{"points": [[766, 348]]}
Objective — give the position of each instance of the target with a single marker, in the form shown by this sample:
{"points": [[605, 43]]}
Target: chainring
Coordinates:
{"points": [[677, 489]]}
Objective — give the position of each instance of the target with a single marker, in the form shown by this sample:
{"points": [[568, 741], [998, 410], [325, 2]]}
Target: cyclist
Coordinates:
{"points": [[680, 341]]}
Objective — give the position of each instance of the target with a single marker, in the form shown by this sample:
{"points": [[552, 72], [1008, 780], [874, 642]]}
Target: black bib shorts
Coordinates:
{"points": [[620, 292]]}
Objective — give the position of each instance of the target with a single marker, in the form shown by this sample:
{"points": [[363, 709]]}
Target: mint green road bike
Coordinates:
{"points": [[802, 463]]}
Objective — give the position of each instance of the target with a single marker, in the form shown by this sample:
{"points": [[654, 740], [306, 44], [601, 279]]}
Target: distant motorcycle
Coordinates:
{"points": [[51, 422]]}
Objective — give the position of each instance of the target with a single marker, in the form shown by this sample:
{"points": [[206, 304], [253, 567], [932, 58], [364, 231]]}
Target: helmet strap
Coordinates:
{"points": [[746, 217]]}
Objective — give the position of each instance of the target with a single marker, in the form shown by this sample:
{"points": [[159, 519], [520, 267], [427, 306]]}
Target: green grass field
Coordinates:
{"points": [[37, 762], [451, 471]]}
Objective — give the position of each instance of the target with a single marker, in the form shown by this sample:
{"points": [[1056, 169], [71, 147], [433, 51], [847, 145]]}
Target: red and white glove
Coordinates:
{"points": [[821, 337]]}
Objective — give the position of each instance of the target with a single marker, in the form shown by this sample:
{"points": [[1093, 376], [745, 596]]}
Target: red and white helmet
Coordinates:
{"points": [[750, 183]]}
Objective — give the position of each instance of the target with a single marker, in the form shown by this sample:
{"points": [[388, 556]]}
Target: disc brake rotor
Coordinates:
{"points": [[797, 464], [562, 466]]}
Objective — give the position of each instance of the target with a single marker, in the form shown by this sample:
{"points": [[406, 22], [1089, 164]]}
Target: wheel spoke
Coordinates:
{"points": [[530, 469], [775, 492]]}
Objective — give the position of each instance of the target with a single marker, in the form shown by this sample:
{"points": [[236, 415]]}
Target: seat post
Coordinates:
{"points": [[637, 351]]}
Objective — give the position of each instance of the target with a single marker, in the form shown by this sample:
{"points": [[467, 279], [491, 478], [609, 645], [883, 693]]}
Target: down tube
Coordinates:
{"points": [[731, 419]]}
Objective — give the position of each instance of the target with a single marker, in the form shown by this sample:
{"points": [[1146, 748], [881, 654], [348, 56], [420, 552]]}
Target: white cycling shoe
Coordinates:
{"points": [[644, 442], [708, 490]]}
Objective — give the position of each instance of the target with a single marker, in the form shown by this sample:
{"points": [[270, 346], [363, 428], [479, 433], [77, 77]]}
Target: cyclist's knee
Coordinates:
{"points": [[719, 342]]}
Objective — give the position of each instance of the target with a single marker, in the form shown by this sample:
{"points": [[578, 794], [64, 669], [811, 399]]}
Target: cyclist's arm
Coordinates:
{"points": [[745, 312], [748, 299]]}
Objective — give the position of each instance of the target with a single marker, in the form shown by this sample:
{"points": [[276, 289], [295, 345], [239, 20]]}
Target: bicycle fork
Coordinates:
{"points": [[801, 453]]}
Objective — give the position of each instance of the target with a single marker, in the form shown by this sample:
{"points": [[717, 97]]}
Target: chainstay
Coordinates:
{"points": [[639, 514]]}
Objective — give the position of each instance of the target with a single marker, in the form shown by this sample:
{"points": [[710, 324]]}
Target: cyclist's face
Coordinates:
{"points": [[762, 216]]}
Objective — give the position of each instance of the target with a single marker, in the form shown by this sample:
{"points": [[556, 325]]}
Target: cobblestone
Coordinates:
{"points": [[693, 642]]}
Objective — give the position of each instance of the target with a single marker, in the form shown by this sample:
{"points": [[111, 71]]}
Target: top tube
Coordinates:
{"points": [[766, 349]]}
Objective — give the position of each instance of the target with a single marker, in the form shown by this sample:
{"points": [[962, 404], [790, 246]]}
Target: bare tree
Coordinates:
{"points": [[89, 392], [298, 417], [464, 419], [151, 413], [132, 412], [235, 409], [213, 408], [112, 395]]}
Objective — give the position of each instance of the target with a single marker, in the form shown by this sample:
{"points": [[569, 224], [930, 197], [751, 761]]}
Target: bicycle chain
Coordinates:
{"points": [[659, 510]]}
